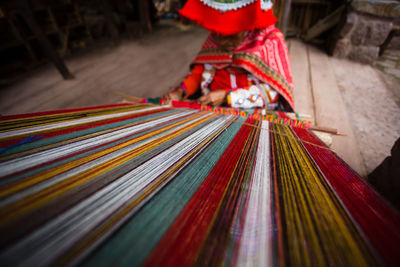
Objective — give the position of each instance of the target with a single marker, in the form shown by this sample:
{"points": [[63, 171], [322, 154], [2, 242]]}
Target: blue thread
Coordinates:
{"points": [[25, 141]]}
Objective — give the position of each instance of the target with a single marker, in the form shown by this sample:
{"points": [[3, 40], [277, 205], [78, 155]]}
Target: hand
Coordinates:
{"points": [[176, 95], [215, 98]]}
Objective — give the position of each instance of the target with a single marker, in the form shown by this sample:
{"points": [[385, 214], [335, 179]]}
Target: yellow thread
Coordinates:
{"points": [[22, 206], [20, 185], [15, 155], [307, 198], [60, 117], [288, 136], [38, 132], [103, 228]]}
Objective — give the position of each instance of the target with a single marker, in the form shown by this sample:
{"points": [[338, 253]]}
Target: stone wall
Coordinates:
{"points": [[367, 25]]}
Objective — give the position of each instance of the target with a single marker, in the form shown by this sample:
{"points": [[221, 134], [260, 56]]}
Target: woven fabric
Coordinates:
{"points": [[229, 17], [226, 5], [262, 53], [130, 185]]}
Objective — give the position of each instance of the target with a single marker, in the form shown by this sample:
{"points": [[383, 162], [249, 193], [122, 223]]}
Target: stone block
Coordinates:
{"points": [[388, 9], [364, 54], [394, 72], [364, 32], [395, 43], [377, 31], [351, 21], [383, 64], [359, 31], [342, 49], [369, 30]]}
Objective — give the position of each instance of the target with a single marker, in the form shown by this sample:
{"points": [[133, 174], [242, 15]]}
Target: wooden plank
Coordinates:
{"points": [[108, 16], [318, 2], [148, 68], [394, 32], [285, 16], [277, 9], [21, 37], [303, 98], [307, 18], [325, 24], [330, 110], [47, 47], [145, 21]]}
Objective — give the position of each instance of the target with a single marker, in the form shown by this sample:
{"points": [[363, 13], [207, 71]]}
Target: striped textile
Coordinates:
{"points": [[149, 185]]}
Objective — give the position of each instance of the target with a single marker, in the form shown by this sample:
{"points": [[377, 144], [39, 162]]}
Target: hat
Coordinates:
{"points": [[229, 17]]}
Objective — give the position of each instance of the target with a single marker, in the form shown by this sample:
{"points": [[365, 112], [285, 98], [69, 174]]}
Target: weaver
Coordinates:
{"points": [[244, 63], [131, 185]]}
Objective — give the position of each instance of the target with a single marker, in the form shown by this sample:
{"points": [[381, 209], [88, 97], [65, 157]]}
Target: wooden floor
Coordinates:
{"points": [[350, 97], [146, 68], [150, 66], [317, 94]]}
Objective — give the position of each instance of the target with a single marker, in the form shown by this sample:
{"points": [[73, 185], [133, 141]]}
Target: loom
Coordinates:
{"points": [[150, 185]]}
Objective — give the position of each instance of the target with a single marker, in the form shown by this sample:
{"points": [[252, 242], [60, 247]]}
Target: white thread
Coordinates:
{"points": [[255, 243], [71, 122], [47, 243], [20, 164]]}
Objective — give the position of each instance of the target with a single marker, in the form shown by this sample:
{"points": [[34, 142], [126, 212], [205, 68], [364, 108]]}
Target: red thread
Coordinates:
{"points": [[182, 242], [379, 222]]}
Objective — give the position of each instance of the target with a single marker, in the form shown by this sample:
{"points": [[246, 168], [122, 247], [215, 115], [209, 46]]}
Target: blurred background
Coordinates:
{"points": [[34, 32]]}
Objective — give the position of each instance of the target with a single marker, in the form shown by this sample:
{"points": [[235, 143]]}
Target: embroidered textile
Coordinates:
{"points": [[263, 53], [226, 5], [230, 17]]}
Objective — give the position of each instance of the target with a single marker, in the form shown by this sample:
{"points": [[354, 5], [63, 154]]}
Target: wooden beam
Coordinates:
{"points": [[10, 19], [303, 95], [318, 2], [144, 13], [108, 16], [325, 24], [47, 47], [395, 31], [285, 16]]}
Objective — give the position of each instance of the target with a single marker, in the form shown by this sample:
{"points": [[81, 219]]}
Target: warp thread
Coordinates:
{"points": [[148, 185]]}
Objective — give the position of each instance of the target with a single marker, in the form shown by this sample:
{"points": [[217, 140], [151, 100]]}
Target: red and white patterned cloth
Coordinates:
{"points": [[263, 54]]}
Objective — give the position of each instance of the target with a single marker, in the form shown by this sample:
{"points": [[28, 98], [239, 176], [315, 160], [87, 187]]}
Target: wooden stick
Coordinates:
{"points": [[128, 97], [327, 130]]}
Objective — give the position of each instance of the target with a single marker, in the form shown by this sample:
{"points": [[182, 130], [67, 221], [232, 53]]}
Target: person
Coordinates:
{"points": [[385, 178], [244, 62]]}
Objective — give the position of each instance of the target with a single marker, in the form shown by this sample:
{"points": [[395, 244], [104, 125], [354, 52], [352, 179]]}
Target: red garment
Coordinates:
{"points": [[222, 79], [247, 18], [263, 53], [192, 81]]}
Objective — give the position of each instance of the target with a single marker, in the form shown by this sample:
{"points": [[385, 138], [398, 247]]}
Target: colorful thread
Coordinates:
{"points": [[134, 185]]}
